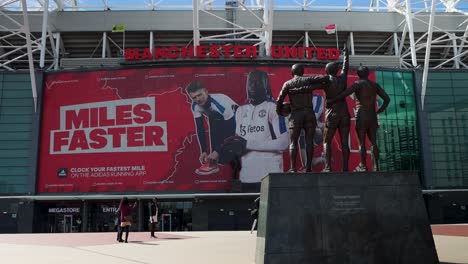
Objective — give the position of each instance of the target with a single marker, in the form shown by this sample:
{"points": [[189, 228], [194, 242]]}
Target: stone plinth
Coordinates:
{"points": [[338, 218]]}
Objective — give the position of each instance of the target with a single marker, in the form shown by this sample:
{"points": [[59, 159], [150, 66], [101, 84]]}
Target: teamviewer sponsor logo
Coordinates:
{"points": [[62, 172]]}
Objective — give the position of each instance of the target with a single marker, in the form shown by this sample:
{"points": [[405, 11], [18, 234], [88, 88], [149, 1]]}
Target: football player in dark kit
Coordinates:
{"points": [[336, 115], [366, 92], [302, 112]]}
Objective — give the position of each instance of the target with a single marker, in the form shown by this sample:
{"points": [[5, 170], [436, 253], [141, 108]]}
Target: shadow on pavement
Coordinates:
{"points": [[143, 243]]}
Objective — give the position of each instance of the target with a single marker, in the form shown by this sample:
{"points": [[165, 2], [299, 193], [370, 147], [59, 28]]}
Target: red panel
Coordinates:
{"points": [[133, 129]]}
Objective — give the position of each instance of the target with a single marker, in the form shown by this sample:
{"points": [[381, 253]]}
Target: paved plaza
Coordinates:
{"points": [[234, 247]]}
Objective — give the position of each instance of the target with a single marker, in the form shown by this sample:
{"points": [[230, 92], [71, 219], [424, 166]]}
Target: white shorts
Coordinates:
{"points": [[257, 164]]}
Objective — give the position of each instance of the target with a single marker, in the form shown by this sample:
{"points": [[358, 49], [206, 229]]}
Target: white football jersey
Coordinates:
{"points": [[267, 137]]}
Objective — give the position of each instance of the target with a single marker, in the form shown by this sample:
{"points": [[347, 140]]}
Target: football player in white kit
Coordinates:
{"points": [[265, 132]]}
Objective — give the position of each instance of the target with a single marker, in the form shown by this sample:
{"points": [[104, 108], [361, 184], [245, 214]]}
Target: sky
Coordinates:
{"points": [[335, 5]]}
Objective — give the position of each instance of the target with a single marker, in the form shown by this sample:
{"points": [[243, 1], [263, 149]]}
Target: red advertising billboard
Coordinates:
{"points": [[145, 129]]}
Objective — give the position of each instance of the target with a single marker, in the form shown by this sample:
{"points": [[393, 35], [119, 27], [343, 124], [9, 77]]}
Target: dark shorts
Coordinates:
{"points": [[302, 119], [366, 120], [335, 121]]}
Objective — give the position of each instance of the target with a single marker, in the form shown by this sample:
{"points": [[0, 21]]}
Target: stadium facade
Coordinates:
{"points": [[100, 110]]}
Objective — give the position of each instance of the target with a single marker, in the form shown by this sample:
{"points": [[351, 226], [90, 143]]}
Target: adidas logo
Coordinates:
{"points": [[62, 172]]}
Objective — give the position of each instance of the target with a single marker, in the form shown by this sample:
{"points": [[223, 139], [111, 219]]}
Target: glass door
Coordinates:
{"points": [[67, 223], [166, 222]]}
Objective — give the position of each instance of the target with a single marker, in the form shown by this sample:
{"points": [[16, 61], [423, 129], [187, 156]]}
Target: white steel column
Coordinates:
{"points": [[456, 58], [351, 40], [462, 43], [104, 44], [196, 26], [268, 25], [235, 30], [306, 35], [45, 17], [151, 40], [395, 44], [27, 32], [57, 51], [409, 22], [428, 55]]}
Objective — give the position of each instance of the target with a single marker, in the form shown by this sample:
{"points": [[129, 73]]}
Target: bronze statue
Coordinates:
{"points": [[366, 116], [302, 113], [336, 115]]}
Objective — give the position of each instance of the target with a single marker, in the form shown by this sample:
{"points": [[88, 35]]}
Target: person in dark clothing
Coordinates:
{"points": [[254, 213], [153, 221], [125, 218], [117, 222], [78, 224], [336, 114], [302, 112]]}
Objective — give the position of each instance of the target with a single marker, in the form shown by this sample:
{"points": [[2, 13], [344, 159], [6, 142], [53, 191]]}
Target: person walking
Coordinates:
{"points": [[117, 222], [154, 210], [125, 218]]}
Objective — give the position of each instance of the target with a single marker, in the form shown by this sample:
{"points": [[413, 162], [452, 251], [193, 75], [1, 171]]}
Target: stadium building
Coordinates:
{"points": [[93, 104]]}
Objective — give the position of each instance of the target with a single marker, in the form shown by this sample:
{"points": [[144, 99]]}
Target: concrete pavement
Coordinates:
{"points": [[228, 247]]}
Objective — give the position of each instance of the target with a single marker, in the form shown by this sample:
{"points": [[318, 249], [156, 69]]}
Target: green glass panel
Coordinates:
{"points": [[439, 99], [17, 94], [17, 102], [8, 144], [440, 165], [439, 84], [15, 135], [15, 119], [387, 74], [14, 171], [461, 107], [388, 86], [443, 156], [439, 75], [408, 88], [441, 123], [16, 78], [462, 117], [397, 136], [14, 162], [12, 189], [403, 123], [438, 92], [459, 75], [13, 179], [17, 86], [21, 110], [445, 109], [449, 148], [15, 153], [460, 84], [442, 140], [15, 128], [461, 98]]}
